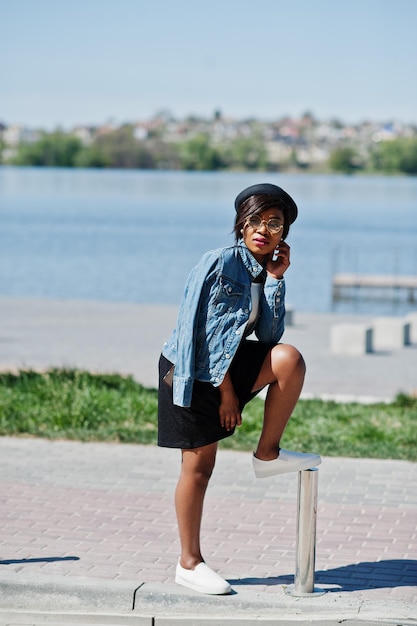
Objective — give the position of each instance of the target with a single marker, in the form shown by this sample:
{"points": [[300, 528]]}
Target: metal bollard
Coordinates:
{"points": [[305, 559]]}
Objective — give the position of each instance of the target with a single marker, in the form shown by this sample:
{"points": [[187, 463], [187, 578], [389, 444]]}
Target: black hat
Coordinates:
{"points": [[270, 190]]}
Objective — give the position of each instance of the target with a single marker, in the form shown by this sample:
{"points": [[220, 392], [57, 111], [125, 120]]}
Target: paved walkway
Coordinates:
{"points": [[91, 527], [105, 511]]}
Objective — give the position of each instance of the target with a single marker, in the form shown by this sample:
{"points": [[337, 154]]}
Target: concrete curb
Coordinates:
{"points": [[30, 600], [61, 593]]}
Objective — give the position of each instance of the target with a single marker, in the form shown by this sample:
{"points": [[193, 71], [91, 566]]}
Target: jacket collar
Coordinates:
{"points": [[254, 268]]}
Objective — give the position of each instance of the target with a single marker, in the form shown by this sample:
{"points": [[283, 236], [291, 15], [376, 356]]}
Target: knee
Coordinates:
{"points": [[199, 472], [202, 475], [198, 464], [286, 358]]}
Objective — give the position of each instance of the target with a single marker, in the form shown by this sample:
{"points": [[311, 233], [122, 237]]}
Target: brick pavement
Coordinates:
{"points": [[106, 511]]}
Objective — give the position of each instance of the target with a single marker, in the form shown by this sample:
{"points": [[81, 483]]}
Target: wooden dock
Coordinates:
{"points": [[350, 286]]}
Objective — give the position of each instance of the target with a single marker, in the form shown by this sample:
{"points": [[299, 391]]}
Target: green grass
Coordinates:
{"points": [[73, 404]]}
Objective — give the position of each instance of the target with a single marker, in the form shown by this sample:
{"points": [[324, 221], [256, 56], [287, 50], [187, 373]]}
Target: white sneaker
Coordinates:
{"points": [[202, 579], [286, 462]]}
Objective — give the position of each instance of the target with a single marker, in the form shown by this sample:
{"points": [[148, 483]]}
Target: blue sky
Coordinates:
{"points": [[92, 61]]}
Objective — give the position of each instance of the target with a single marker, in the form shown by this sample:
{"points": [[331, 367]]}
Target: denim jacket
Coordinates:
{"points": [[213, 315]]}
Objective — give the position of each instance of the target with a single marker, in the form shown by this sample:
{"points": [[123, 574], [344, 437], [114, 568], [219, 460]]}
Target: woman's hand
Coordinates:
{"points": [[229, 411], [281, 264]]}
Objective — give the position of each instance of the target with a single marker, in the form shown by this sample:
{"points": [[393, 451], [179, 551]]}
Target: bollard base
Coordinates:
{"points": [[291, 591]]}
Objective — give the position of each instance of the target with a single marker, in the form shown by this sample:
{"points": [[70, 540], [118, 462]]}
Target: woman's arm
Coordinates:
{"points": [[229, 411], [186, 329], [270, 327]]}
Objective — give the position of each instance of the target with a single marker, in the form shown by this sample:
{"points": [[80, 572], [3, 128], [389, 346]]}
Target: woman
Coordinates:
{"points": [[209, 368]]}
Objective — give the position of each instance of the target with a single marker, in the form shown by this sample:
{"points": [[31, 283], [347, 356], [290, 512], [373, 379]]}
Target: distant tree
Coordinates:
{"points": [[117, 148], [308, 119], [409, 156], [397, 155], [386, 156], [165, 156], [336, 123], [92, 156], [56, 149], [199, 154], [343, 160], [247, 153]]}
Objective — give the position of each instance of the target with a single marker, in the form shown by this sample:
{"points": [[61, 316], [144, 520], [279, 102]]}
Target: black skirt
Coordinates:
{"points": [[199, 424]]}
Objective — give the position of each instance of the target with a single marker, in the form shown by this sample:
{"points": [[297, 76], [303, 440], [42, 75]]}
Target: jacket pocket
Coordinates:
{"points": [[229, 293]]}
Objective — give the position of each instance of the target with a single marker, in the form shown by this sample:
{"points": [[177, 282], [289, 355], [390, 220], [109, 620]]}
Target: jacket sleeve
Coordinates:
{"points": [[270, 327], [186, 330]]}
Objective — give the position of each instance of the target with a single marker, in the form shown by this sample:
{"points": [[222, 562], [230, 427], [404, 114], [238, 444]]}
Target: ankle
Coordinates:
{"points": [[267, 454], [190, 562]]}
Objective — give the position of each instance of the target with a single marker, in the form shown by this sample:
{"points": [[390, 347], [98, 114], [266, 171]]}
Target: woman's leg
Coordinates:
{"points": [[196, 469], [283, 370]]}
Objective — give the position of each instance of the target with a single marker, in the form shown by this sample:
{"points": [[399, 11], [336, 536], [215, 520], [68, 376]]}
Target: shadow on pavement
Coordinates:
{"points": [[355, 577], [47, 559]]}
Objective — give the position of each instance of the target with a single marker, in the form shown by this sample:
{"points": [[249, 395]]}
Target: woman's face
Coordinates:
{"points": [[259, 239]]}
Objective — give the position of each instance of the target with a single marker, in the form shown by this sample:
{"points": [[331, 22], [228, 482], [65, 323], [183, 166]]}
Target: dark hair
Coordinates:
{"points": [[259, 204]]}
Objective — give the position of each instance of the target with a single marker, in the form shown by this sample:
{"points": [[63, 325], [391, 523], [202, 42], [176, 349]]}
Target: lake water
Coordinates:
{"points": [[133, 236]]}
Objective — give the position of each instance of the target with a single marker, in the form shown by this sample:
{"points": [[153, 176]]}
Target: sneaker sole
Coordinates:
{"points": [[185, 583], [301, 467]]}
